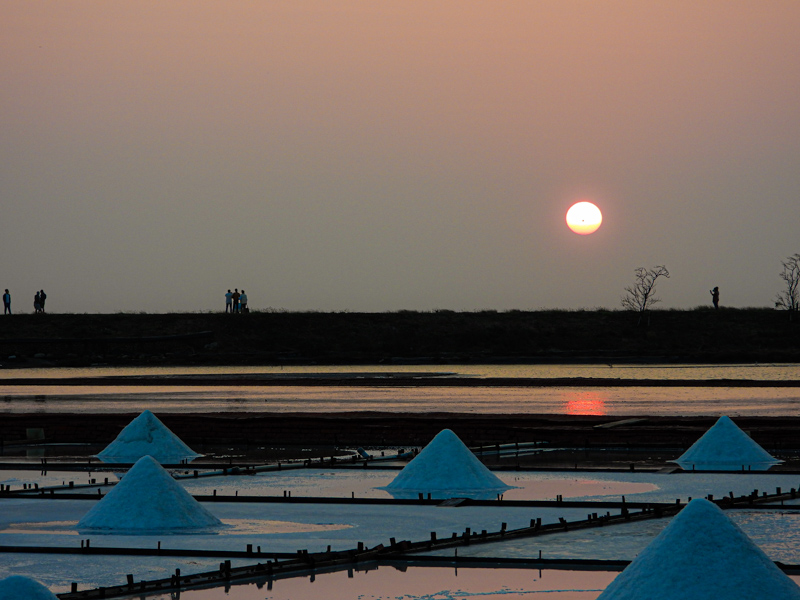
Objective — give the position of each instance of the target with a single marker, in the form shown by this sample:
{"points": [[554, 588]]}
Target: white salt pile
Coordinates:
{"points": [[147, 436], [447, 465], [725, 447], [17, 587], [146, 500], [701, 554]]}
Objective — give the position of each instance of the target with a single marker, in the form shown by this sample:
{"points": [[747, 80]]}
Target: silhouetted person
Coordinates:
{"points": [[243, 302], [42, 298], [37, 303], [235, 299], [715, 297], [228, 302], [6, 303]]}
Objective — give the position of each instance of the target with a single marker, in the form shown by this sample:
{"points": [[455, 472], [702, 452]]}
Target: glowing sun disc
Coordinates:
{"points": [[584, 218]]}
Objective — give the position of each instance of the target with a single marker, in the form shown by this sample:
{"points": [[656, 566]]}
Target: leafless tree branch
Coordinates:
{"points": [[641, 295], [789, 298]]}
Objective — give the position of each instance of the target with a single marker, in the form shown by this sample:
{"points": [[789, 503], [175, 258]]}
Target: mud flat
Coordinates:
{"points": [[243, 431]]}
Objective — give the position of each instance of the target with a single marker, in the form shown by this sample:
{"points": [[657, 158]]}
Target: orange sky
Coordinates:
{"points": [[379, 156]]}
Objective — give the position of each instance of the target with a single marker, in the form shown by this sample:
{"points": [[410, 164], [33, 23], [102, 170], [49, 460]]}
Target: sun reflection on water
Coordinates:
{"points": [[584, 402]]}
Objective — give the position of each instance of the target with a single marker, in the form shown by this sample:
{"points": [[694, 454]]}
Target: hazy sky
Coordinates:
{"points": [[371, 156]]}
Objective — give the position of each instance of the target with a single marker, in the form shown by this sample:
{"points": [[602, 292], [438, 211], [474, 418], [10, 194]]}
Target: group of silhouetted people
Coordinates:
{"points": [[38, 302], [236, 302]]}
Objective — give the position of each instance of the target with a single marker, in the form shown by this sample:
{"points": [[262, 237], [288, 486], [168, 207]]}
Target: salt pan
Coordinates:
{"points": [[725, 447], [146, 435], [146, 500], [447, 465], [701, 554]]}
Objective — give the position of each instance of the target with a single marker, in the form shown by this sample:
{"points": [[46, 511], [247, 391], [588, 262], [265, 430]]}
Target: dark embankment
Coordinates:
{"points": [[732, 335], [248, 431]]}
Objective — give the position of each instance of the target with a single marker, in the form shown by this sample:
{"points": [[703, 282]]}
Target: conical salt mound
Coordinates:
{"points": [[446, 464], [147, 499], [701, 554], [18, 587], [147, 436], [725, 447]]}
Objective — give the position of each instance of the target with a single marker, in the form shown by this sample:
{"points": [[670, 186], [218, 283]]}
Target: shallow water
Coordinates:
{"points": [[612, 401], [761, 372], [616, 401], [422, 583]]}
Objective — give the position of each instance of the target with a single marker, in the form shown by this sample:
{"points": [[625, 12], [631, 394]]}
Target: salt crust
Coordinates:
{"points": [[146, 435], [701, 554], [725, 447], [148, 500], [446, 464], [18, 587]]}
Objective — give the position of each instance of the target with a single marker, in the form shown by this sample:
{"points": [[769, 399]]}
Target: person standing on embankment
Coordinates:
{"points": [[715, 297]]}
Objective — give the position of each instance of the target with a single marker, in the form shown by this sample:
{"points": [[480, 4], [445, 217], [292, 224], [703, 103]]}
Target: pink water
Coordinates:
{"points": [[422, 583]]}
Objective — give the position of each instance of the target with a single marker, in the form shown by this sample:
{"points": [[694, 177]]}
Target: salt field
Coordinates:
{"points": [[334, 521], [281, 527]]}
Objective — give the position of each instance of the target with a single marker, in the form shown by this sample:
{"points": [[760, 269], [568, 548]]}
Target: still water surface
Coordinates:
{"points": [[608, 400], [761, 372]]}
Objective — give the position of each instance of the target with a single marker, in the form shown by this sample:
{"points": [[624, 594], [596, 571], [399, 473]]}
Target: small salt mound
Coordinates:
{"points": [[701, 554], [446, 464], [725, 447], [147, 436], [148, 499], [17, 587]]}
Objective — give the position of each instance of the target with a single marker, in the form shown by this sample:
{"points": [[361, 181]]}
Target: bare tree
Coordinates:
{"points": [[789, 298], [641, 295]]}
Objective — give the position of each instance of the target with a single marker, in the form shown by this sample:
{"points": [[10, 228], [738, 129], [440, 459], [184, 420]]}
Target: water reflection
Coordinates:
{"points": [[622, 401], [585, 402], [776, 371], [415, 583]]}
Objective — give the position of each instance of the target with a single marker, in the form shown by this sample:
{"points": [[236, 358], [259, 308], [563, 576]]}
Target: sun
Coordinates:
{"points": [[584, 218]]}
